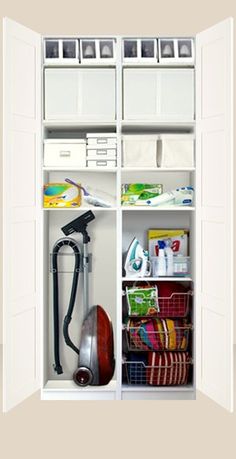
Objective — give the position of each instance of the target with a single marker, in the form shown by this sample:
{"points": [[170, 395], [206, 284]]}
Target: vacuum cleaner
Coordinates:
{"points": [[96, 349]]}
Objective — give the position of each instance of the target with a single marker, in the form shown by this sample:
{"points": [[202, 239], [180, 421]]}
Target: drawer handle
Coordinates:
{"points": [[101, 163], [64, 153]]}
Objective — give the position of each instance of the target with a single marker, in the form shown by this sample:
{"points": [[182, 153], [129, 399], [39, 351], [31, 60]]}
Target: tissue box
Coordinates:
{"points": [[61, 195], [175, 151]]}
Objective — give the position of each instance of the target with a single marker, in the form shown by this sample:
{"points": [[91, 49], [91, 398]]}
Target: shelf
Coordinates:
{"points": [[145, 388], [69, 384], [77, 124], [78, 65], [157, 169], [80, 209], [159, 209], [159, 279], [158, 65], [161, 125], [80, 169], [68, 390]]}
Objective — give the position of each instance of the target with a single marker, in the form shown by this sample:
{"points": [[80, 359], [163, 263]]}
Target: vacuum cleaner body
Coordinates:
{"points": [[96, 350], [96, 358]]}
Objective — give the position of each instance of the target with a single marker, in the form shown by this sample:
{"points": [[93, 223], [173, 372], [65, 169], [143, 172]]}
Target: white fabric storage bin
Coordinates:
{"points": [[65, 152], [175, 151], [101, 153], [101, 163], [139, 151]]}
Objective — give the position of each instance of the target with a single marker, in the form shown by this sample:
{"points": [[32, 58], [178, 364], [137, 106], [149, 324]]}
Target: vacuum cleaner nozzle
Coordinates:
{"points": [[78, 225]]}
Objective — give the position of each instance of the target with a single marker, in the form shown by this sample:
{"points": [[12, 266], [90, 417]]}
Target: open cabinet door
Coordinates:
{"points": [[21, 212], [214, 190]]}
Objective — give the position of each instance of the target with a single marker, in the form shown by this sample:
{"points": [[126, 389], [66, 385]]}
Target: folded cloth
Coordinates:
{"points": [[167, 368], [136, 368], [158, 334]]}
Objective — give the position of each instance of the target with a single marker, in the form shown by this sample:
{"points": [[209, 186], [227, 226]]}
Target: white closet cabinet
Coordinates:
{"points": [[80, 94], [114, 98], [158, 94]]}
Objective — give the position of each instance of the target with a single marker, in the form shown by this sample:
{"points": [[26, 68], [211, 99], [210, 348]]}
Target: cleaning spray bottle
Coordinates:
{"points": [[169, 259], [161, 269]]}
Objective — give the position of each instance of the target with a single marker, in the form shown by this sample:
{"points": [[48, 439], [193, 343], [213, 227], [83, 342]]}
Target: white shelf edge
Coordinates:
{"points": [[158, 209], [81, 169], [159, 279], [78, 123], [47, 65], [65, 385], [82, 208], [157, 169], [145, 388], [187, 123]]}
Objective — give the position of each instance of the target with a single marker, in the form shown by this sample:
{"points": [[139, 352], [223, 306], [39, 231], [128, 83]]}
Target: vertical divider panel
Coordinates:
{"points": [[119, 99]]}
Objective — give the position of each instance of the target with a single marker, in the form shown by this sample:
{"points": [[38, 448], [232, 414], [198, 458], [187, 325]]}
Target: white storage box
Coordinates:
{"points": [[101, 139], [175, 151], [139, 151], [101, 163], [65, 152], [101, 153]]}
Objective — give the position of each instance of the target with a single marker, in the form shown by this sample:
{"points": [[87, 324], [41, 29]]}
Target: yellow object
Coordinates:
{"points": [[61, 195]]}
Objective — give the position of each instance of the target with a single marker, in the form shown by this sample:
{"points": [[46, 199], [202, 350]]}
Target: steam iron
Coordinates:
{"points": [[136, 263]]}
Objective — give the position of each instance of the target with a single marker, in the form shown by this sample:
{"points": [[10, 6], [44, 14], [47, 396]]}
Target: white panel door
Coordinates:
{"points": [[158, 94], [80, 94], [21, 212], [214, 189]]}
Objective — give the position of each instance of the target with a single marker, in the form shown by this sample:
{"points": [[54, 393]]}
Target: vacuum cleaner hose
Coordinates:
{"points": [[75, 247]]}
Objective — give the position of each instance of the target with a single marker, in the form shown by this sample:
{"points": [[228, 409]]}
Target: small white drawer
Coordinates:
{"points": [[101, 163], [101, 153], [59, 154], [100, 140]]}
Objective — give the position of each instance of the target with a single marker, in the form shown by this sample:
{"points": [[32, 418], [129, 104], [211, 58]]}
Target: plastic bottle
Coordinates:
{"points": [[169, 261], [161, 270]]}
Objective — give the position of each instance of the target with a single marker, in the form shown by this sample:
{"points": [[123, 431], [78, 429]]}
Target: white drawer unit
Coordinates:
{"points": [[70, 153], [111, 125], [101, 153], [101, 163], [158, 94], [80, 94]]}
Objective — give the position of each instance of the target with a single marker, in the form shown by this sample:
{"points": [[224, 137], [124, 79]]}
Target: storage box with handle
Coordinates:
{"points": [[65, 153]]}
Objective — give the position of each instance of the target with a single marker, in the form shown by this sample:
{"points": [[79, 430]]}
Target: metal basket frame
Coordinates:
{"points": [[141, 371], [166, 334], [176, 300]]}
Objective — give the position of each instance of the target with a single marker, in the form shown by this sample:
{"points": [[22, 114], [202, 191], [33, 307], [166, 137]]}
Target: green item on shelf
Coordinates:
{"points": [[142, 301], [131, 192]]}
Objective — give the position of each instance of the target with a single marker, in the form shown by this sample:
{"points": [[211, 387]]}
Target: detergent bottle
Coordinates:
{"points": [[161, 269]]}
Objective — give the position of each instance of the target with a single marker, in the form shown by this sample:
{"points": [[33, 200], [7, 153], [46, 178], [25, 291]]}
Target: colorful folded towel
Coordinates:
{"points": [[158, 334]]}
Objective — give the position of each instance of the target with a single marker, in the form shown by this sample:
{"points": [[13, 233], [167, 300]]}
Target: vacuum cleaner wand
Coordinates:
{"points": [[79, 225]]}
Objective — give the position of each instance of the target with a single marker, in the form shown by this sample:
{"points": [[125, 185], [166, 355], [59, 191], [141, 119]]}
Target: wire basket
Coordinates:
{"points": [[175, 305], [140, 338], [175, 372]]}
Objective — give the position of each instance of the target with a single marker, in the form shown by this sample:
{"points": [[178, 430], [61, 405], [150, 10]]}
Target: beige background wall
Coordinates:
{"points": [[117, 429], [150, 17]]}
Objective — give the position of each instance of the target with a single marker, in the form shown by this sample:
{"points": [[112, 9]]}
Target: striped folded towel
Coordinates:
{"points": [[167, 368]]}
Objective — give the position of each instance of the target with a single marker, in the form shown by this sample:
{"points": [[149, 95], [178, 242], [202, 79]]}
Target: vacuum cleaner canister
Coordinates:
{"points": [[96, 357]]}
